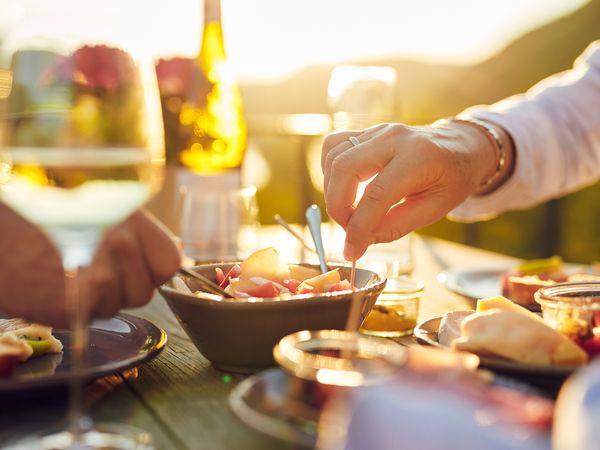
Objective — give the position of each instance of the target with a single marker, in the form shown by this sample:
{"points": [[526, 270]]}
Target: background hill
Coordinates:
{"points": [[427, 92]]}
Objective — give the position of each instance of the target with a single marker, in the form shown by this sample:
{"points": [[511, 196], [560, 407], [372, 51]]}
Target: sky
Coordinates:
{"points": [[269, 39]]}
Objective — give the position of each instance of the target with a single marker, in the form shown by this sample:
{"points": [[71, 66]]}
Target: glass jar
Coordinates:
{"points": [[574, 310], [395, 311], [339, 358]]}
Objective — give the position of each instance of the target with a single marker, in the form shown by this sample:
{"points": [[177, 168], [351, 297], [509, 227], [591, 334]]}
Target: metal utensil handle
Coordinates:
{"points": [[313, 218], [285, 225], [207, 284]]}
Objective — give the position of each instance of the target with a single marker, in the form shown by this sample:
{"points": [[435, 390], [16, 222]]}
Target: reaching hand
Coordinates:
{"points": [[133, 258], [419, 175]]}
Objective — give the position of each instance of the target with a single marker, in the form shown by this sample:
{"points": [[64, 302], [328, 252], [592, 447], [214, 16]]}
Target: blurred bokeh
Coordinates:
{"points": [[447, 56], [426, 92]]}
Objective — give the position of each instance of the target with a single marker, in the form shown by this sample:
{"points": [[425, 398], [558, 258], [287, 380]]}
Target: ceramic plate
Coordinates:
{"points": [[485, 282], [262, 402], [114, 345], [427, 332], [473, 283]]}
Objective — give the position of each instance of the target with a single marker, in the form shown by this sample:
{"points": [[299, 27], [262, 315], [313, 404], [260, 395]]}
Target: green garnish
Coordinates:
{"points": [[538, 266], [39, 347]]}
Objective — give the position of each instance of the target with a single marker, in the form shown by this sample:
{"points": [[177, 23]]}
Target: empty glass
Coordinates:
{"points": [[362, 96], [219, 225]]}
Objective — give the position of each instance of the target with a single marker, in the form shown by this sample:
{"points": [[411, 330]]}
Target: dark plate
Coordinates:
{"points": [[262, 402], [427, 332], [114, 345]]}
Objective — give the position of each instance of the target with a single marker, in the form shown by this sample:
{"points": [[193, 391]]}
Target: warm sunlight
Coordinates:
{"points": [[271, 38]]}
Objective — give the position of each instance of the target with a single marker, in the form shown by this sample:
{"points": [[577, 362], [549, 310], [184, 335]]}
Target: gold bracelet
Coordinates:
{"points": [[493, 136]]}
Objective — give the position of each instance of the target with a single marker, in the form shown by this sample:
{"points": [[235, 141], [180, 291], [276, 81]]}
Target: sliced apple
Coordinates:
{"points": [[302, 273], [264, 263], [320, 283]]}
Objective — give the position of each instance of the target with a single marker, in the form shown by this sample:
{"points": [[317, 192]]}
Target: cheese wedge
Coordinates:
{"points": [[519, 337], [500, 302]]}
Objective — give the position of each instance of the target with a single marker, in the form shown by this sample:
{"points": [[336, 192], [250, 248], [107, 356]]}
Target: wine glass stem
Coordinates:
{"points": [[77, 248], [77, 422]]}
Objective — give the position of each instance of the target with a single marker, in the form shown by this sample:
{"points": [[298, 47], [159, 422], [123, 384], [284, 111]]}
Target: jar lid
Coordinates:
{"points": [[575, 294]]}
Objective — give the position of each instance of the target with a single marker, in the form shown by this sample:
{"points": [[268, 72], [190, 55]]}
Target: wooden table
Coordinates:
{"points": [[182, 400]]}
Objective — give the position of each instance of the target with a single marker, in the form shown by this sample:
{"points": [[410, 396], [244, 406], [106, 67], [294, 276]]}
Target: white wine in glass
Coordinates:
{"points": [[81, 148]]}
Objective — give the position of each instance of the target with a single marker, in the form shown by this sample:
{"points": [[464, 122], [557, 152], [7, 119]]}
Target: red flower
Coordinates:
{"points": [[101, 66], [98, 66], [174, 76]]}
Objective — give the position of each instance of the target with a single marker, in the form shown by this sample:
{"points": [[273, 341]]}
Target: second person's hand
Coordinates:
{"points": [[419, 175]]}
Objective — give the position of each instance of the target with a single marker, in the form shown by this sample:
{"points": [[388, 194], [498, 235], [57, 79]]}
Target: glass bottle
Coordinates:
{"points": [[213, 143], [212, 119]]}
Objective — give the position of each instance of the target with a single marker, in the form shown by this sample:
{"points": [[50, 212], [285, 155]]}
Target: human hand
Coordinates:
{"points": [[133, 258], [420, 174]]}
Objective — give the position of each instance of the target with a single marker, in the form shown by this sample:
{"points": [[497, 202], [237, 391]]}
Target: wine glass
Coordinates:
{"points": [[81, 147]]}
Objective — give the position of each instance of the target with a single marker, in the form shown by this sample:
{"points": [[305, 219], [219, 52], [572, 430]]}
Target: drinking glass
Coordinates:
{"points": [[219, 224], [81, 147], [361, 96]]}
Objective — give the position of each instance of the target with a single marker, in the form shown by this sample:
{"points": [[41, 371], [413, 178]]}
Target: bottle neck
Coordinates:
{"points": [[212, 11], [212, 48]]}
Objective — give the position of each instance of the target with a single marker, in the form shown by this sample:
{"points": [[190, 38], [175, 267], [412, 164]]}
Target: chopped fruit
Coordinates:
{"points": [[343, 285], [263, 274], [320, 283], [39, 347], [570, 326], [220, 276], [234, 272], [291, 284], [264, 290], [302, 272], [265, 263], [591, 345]]}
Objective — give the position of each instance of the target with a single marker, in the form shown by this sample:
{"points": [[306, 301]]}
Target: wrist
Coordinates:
{"points": [[504, 170], [494, 151]]}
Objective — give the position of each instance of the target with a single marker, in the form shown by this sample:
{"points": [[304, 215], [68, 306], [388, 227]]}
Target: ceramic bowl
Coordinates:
{"points": [[238, 335]]}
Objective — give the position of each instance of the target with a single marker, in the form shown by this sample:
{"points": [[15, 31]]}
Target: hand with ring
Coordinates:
{"points": [[418, 174]]}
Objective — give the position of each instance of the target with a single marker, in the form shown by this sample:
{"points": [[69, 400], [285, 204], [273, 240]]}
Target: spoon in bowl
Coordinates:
{"points": [[208, 285], [313, 218]]}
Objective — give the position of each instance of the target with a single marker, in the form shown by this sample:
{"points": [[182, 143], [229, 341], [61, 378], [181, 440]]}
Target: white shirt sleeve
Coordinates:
{"points": [[555, 127]]}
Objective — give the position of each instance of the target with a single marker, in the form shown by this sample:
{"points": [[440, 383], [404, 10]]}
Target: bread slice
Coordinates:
{"points": [[516, 336]]}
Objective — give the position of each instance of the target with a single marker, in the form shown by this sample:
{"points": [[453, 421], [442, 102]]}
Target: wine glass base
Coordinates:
{"points": [[104, 436]]}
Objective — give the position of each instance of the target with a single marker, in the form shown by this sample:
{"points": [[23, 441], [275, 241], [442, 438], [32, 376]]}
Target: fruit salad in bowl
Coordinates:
{"points": [[272, 299], [263, 274]]}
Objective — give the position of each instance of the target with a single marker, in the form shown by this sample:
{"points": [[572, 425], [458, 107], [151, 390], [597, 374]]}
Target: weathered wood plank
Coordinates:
{"points": [[182, 400], [189, 395], [109, 399]]}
